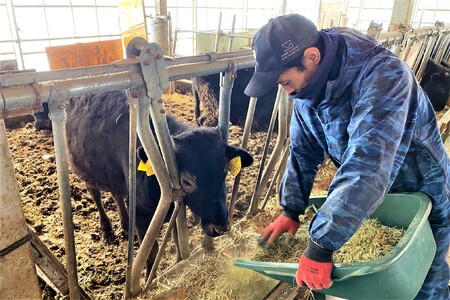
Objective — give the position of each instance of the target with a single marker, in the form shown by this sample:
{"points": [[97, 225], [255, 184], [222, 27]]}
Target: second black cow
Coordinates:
{"points": [[206, 94], [97, 132], [436, 83]]}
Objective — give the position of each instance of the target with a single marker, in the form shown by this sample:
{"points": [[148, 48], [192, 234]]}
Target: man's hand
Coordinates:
{"points": [[314, 267], [281, 225]]}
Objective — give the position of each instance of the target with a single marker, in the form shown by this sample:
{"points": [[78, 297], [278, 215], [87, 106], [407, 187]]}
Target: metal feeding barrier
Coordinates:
{"points": [[146, 74]]}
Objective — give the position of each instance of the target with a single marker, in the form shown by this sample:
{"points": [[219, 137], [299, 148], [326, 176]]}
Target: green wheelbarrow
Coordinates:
{"points": [[397, 275]]}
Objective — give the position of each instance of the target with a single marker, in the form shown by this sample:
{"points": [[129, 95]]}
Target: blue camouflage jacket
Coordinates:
{"points": [[378, 126]]}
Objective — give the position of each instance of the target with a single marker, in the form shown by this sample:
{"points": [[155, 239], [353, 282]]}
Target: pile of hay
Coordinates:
{"points": [[373, 240], [212, 275]]}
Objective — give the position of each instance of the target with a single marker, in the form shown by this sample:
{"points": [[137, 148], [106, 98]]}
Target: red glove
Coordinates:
{"points": [[281, 225], [314, 267]]}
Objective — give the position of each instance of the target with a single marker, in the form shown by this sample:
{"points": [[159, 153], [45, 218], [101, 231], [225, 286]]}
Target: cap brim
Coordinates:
{"points": [[261, 83]]}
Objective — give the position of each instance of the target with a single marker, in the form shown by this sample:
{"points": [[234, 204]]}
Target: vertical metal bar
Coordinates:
{"points": [[283, 7], [163, 245], [421, 17], [154, 155], [266, 144], [96, 17], [245, 137], [431, 42], [73, 19], [284, 157], [194, 25], [175, 38], [407, 48], [226, 88], [58, 115], [16, 29], [46, 23], [323, 19], [131, 190], [283, 113], [218, 34], [158, 116], [230, 37], [170, 35]]}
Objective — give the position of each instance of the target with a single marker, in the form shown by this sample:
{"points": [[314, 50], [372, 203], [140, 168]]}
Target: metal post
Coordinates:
{"points": [[226, 88], [151, 148], [58, 115], [218, 34], [16, 30], [131, 189], [160, 26], [230, 37]]}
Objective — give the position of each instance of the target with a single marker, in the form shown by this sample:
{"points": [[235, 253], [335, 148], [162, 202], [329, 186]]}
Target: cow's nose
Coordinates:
{"points": [[214, 230]]}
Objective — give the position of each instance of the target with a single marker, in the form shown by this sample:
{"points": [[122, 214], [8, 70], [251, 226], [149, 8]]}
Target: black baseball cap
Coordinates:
{"points": [[281, 41]]}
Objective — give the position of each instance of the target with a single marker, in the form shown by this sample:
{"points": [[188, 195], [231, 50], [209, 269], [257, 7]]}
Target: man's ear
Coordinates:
{"points": [[313, 54]]}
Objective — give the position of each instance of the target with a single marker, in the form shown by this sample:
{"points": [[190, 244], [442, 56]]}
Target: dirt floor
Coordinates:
{"points": [[102, 266]]}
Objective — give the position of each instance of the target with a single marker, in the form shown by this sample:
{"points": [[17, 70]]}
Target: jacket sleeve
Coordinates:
{"points": [[306, 155], [380, 132]]}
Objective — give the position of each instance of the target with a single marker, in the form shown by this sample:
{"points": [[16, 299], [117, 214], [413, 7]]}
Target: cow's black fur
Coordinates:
{"points": [[436, 84], [206, 93], [97, 131]]}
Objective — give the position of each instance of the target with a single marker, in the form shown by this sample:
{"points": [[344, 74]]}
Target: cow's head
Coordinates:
{"points": [[42, 120], [203, 161]]}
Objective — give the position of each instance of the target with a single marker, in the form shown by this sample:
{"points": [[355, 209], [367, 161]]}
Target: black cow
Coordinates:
{"points": [[436, 84], [206, 90], [41, 119], [97, 131]]}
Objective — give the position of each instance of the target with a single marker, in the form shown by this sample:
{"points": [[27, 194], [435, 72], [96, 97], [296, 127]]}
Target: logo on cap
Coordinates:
{"points": [[287, 45], [289, 49]]}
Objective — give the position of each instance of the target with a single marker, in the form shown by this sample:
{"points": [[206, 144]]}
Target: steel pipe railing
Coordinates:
{"points": [[58, 116], [132, 142]]}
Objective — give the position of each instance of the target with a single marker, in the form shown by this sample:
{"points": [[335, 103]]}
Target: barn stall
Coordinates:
{"points": [[46, 187]]}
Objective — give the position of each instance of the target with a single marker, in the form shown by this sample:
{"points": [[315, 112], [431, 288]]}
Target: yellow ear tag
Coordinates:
{"points": [[235, 165], [146, 167]]}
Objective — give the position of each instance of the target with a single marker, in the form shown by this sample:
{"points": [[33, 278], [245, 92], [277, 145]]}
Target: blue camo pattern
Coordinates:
{"points": [[378, 126]]}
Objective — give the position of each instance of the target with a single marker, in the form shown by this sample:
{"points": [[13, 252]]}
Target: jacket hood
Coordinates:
{"points": [[358, 48]]}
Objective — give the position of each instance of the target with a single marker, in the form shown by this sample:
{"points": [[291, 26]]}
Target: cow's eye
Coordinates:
{"points": [[188, 182]]}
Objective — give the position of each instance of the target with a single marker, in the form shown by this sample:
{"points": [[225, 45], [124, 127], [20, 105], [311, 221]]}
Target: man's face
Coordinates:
{"points": [[293, 80]]}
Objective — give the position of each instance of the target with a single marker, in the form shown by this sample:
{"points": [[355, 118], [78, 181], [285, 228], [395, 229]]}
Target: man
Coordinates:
{"points": [[362, 106]]}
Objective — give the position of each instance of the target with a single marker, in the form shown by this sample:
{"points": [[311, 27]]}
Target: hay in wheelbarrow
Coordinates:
{"points": [[371, 241]]}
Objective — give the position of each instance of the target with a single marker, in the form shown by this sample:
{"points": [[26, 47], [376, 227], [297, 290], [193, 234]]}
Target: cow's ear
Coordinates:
{"points": [[231, 152], [141, 154]]}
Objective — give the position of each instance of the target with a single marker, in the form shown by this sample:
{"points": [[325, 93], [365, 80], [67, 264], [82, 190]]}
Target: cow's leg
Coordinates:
{"points": [[123, 212], [105, 222]]}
